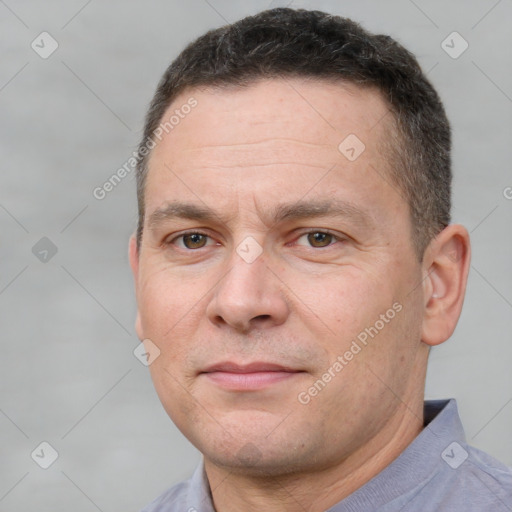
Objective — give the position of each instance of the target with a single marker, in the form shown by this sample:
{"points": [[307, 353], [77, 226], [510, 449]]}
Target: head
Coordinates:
{"points": [[294, 216]]}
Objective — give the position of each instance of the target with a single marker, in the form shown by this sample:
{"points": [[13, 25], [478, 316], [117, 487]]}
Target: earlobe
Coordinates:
{"points": [[138, 326], [133, 255], [446, 270]]}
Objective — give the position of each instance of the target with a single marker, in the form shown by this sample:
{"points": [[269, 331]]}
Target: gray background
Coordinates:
{"points": [[68, 122]]}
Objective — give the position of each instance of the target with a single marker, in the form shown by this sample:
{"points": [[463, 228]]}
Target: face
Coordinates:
{"points": [[277, 276]]}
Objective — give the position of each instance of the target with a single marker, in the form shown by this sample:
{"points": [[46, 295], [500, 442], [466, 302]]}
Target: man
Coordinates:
{"points": [[294, 262]]}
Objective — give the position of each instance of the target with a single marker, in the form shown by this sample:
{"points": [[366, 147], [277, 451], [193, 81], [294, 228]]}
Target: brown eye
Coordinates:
{"points": [[320, 239], [194, 240]]}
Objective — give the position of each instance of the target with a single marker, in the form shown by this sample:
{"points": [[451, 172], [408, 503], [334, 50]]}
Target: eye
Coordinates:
{"points": [[192, 240], [317, 239]]}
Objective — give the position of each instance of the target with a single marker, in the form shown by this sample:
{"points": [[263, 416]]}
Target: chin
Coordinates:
{"points": [[261, 452], [266, 462]]}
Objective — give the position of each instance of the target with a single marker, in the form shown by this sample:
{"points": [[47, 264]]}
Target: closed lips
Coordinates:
{"points": [[229, 367]]}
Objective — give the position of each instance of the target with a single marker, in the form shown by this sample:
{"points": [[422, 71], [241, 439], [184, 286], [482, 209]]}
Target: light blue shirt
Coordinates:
{"points": [[437, 472]]}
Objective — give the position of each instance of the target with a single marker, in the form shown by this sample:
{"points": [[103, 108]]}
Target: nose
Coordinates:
{"points": [[249, 296]]}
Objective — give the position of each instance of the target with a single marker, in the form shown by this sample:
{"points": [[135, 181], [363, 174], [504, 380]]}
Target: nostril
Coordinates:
{"points": [[261, 317], [219, 320]]}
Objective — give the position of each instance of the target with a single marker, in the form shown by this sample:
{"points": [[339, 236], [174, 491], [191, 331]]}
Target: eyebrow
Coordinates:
{"points": [[180, 210], [328, 208], [298, 210]]}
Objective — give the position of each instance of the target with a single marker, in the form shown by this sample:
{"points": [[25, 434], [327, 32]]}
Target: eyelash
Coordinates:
{"points": [[336, 238]]}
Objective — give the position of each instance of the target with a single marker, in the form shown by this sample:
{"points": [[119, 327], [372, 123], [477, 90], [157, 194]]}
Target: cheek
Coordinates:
{"points": [[166, 299], [171, 314], [344, 302]]}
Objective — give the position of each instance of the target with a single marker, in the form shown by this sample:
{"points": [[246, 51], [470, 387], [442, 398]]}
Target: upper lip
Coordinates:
{"points": [[230, 367]]}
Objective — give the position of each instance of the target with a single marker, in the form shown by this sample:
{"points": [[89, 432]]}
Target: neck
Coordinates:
{"points": [[299, 492]]}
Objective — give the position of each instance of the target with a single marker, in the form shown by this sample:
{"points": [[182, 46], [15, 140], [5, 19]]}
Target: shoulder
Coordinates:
{"points": [[192, 495], [492, 477], [172, 499], [472, 481]]}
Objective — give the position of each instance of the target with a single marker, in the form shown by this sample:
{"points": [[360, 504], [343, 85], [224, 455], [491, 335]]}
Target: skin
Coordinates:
{"points": [[243, 153]]}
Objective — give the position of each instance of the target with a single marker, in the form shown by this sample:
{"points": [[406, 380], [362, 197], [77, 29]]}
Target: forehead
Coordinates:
{"points": [[281, 134], [233, 115]]}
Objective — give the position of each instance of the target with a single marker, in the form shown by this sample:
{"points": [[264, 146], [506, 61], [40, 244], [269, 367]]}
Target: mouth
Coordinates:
{"points": [[249, 377]]}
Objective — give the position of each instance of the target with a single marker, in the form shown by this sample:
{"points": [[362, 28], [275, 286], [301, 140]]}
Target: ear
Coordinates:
{"points": [[445, 267], [133, 255]]}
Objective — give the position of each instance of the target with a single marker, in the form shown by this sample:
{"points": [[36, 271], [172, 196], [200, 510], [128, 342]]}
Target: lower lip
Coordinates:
{"points": [[248, 381]]}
